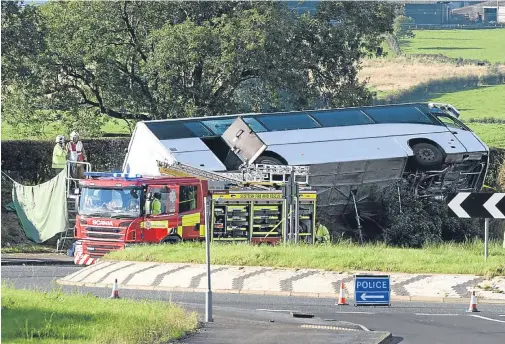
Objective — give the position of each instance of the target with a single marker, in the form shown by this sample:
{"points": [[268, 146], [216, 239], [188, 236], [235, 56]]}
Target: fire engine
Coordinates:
{"points": [[114, 209]]}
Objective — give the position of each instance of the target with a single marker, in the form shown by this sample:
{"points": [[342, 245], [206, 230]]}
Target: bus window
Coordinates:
{"points": [[341, 118], [198, 129], [254, 125], [287, 122], [451, 122], [169, 130], [218, 126], [399, 114]]}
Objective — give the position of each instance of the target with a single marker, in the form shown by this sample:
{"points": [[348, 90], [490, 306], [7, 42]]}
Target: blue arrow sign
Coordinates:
{"points": [[372, 290]]}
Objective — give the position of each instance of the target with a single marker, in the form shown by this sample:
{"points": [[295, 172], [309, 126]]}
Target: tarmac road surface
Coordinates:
{"points": [[409, 322]]}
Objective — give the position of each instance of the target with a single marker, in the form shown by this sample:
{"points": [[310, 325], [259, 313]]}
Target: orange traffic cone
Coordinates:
{"points": [[115, 291], [341, 297], [473, 303]]}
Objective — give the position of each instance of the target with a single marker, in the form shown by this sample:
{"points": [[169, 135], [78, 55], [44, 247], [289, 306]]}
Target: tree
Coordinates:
{"points": [[152, 60], [402, 28]]}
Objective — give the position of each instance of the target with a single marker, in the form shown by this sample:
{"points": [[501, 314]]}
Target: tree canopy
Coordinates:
{"points": [[137, 60]]}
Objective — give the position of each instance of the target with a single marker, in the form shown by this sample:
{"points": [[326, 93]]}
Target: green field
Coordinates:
{"points": [[468, 44], [480, 103], [445, 258], [55, 317], [492, 134]]}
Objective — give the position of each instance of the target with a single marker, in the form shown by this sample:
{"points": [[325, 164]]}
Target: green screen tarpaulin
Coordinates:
{"points": [[42, 209]]}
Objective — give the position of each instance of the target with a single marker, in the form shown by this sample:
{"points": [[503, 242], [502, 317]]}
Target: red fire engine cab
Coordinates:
{"points": [[114, 210]]}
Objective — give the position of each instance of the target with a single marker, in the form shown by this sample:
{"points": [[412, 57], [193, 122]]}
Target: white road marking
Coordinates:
{"points": [[485, 318], [274, 310], [363, 328], [440, 315], [502, 315], [354, 313]]}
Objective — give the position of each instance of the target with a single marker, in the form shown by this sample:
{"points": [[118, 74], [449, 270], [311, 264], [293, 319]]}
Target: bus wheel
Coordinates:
{"points": [[267, 160], [427, 155]]}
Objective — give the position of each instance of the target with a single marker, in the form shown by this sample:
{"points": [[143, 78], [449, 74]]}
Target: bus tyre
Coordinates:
{"points": [[427, 155], [267, 160]]}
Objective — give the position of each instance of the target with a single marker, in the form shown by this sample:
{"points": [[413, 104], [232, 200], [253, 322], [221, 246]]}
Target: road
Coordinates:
{"points": [[409, 322]]}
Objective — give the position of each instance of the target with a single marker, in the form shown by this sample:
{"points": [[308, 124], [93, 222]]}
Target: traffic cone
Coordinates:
{"points": [[115, 291], [341, 297], [473, 303]]}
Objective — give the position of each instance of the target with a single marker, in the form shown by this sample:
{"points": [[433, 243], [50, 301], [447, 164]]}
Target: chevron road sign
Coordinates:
{"points": [[476, 205]]}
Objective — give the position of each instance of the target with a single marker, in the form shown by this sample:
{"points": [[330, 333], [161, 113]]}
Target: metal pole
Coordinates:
{"points": [[486, 238], [290, 216], [357, 219], [208, 293], [296, 220], [284, 221]]}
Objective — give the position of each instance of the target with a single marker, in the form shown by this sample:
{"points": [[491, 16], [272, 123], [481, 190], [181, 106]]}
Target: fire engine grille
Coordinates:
{"points": [[97, 250], [104, 233], [103, 229]]}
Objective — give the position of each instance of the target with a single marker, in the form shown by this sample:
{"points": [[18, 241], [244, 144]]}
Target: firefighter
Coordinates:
{"points": [[76, 155], [59, 154], [322, 234], [156, 204]]}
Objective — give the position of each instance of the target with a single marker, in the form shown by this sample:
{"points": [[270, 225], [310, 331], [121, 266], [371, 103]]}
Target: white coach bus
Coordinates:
{"points": [[347, 150]]}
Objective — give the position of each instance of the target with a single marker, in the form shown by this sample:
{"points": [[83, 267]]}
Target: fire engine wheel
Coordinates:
{"points": [[268, 160], [171, 240], [427, 155]]}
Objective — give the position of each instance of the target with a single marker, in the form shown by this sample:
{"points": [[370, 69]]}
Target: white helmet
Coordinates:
{"points": [[60, 138], [74, 134]]}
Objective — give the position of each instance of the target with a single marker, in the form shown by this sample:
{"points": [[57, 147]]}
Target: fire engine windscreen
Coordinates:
{"points": [[112, 203]]}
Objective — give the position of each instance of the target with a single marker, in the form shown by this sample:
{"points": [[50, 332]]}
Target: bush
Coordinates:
{"points": [[420, 220], [402, 27]]}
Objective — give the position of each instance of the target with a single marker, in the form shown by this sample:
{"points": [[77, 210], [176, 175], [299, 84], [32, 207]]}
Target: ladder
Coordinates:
{"points": [[178, 169], [252, 174], [67, 236]]}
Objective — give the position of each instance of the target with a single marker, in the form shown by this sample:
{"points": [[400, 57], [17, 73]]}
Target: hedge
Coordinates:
{"points": [[29, 162]]}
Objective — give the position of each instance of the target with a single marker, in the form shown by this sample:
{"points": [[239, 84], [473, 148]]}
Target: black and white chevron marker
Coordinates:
{"points": [[476, 205]]}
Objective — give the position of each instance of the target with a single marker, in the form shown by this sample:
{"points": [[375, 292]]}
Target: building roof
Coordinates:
{"points": [[474, 10]]}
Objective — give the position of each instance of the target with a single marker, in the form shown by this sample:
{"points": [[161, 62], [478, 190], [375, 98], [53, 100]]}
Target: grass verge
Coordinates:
{"points": [[54, 317], [447, 258], [28, 248]]}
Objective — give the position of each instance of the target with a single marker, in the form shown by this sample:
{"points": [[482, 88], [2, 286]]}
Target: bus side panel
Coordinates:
{"points": [[351, 132], [340, 151], [449, 143]]}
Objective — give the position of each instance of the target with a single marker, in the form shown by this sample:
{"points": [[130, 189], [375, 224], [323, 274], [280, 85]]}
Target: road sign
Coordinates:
{"points": [[476, 205], [372, 290]]}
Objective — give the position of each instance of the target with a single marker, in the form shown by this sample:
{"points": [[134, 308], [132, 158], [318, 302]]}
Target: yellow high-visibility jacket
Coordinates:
{"points": [[59, 156]]}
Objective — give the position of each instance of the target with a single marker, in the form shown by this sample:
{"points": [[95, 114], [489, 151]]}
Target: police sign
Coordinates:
{"points": [[372, 290]]}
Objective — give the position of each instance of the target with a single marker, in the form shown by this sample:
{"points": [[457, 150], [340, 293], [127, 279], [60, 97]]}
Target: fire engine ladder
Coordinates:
{"points": [[259, 176], [67, 236], [178, 169]]}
